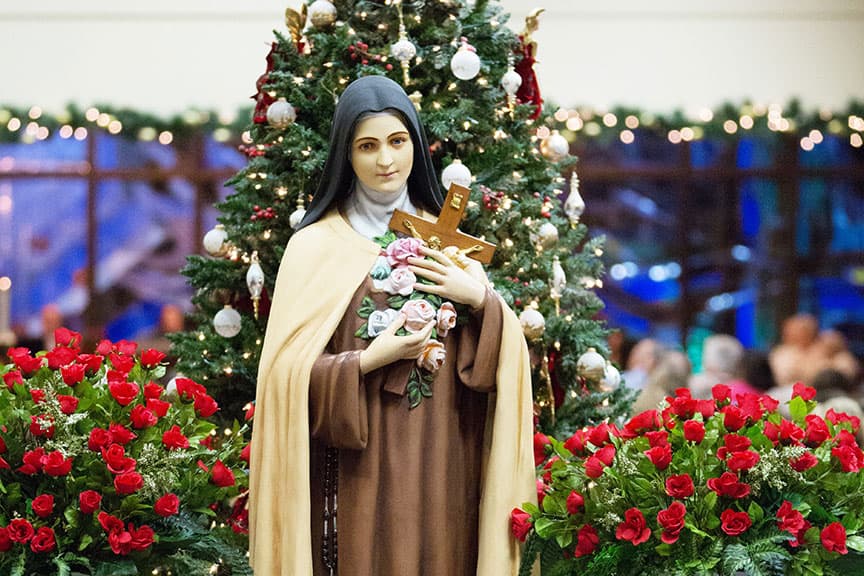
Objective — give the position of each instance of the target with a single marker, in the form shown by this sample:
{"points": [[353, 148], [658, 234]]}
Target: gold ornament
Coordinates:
{"points": [[322, 14], [533, 323], [591, 365], [295, 21], [555, 147]]}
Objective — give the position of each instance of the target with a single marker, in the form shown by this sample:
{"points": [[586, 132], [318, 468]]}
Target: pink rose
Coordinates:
{"points": [[418, 313], [401, 281], [446, 319], [432, 357], [399, 251]]}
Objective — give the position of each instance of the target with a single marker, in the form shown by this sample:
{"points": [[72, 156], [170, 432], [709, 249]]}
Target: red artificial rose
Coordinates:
{"points": [[733, 443], [771, 431], [27, 364], [66, 337], [120, 434], [789, 519], [126, 347], [851, 459], [73, 374], [599, 435], [205, 405], [576, 443], [151, 358], [733, 418], [188, 389], [575, 502], [751, 406], [641, 423], [142, 538], [5, 541], [173, 438], [721, 393], [68, 404], [2, 445], [13, 377], [128, 483], [20, 530], [706, 408], [43, 540], [606, 454], [89, 501], [694, 431], [43, 505], [121, 363], [32, 461], [540, 443], [833, 538], [167, 505], [60, 356], [657, 438], [586, 541], [841, 417], [250, 413], [56, 464], [734, 523], [116, 460], [120, 541], [790, 433], [541, 491], [684, 407], [680, 486], [672, 521], [244, 454], [804, 391], [221, 475], [99, 438], [92, 363], [158, 407], [743, 460], [728, 485], [104, 347], [633, 529], [4, 465], [660, 456], [594, 467], [520, 524], [37, 395], [804, 462], [816, 432], [768, 403], [845, 438], [153, 391], [110, 523], [142, 417], [123, 392]]}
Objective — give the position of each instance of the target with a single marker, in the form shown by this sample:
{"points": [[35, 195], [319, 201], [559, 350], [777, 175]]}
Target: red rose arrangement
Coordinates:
{"points": [[104, 471], [722, 486]]}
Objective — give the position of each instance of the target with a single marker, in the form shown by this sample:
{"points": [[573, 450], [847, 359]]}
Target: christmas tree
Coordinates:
{"points": [[471, 78]]}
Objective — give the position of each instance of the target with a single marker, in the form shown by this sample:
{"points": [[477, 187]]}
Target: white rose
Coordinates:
{"points": [[433, 356], [401, 281], [418, 313], [379, 320]]}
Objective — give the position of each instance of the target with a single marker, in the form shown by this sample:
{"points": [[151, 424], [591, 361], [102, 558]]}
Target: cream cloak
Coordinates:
{"points": [[322, 267]]}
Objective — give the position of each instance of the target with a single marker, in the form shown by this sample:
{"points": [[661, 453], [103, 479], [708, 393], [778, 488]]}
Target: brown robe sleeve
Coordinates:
{"points": [[479, 344], [338, 415]]}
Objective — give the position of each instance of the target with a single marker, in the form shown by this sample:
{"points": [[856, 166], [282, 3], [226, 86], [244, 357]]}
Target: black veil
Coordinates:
{"points": [[372, 94]]}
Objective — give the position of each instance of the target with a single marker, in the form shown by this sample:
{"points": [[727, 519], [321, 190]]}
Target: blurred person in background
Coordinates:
{"points": [[671, 372], [721, 357], [641, 361], [753, 374], [789, 358]]}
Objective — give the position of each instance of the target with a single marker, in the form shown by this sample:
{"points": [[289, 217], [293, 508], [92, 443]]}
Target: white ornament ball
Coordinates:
{"points": [[403, 50], [227, 322], [559, 278], [281, 114], [322, 13], [611, 377], [255, 277], [465, 63], [533, 323], [456, 172], [547, 234], [591, 365], [555, 147], [296, 217], [214, 240], [511, 82], [574, 206]]}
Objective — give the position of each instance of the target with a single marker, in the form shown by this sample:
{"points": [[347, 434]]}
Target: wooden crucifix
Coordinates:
{"points": [[445, 232]]}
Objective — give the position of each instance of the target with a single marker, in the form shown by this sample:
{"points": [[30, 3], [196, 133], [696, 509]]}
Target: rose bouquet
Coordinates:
{"points": [[103, 471], [390, 274], [720, 486]]}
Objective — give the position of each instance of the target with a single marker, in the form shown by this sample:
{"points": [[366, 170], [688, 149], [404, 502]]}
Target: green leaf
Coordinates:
{"points": [[86, 540], [362, 331], [798, 409], [755, 511], [544, 526], [121, 568], [710, 500], [855, 543]]}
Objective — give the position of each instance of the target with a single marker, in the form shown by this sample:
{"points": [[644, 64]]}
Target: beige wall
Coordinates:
{"points": [[165, 56]]}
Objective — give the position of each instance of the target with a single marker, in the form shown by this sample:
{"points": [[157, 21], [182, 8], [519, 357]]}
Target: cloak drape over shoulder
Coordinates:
{"points": [[323, 265]]}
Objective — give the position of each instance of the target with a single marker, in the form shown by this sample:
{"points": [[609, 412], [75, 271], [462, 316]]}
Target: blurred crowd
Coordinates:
{"points": [[804, 353]]}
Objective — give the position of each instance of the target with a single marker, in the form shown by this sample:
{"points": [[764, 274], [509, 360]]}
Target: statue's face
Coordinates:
{"points": [[382, 153]]}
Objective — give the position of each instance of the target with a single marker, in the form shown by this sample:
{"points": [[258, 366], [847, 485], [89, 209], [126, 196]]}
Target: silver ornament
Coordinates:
{"points": [[465, 63], [574, 206], [555, 147], [214, 240], [533, 323], [322, 13], [227, 322], [403, 50], [456, 172], [591, 365], [255, 277], [547, 235], [511, 82], [559, 278], [281, 114], [611, 377]]}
